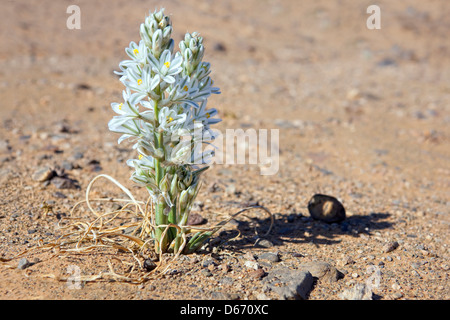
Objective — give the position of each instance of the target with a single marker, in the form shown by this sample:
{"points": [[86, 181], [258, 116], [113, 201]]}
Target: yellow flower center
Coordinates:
{"points": [[139, 82], [167, 64], [169, 119], [208, 115], [120, 106], [135, 51], [140, 157], [185, 88]]}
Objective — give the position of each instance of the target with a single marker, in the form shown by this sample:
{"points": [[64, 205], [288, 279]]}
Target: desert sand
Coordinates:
{"points": [[363, 115]]}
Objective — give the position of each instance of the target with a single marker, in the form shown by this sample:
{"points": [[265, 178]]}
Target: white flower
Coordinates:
{"points": [[128, 107], [166, 67], [140, 80], [169, 118], [144, 162], [123, 124], [149, 113], [137, 52]]}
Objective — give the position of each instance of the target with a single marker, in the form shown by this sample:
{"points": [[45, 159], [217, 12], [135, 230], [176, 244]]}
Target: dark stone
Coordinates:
{"points": [[149, 264], [64, 183], [326, 208]]}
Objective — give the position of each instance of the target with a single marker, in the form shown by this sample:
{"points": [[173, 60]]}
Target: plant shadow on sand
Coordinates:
{"points": [[297, 228]]}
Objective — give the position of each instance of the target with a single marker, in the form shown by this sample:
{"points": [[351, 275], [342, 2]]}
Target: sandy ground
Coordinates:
{"points": [[363, 115]]}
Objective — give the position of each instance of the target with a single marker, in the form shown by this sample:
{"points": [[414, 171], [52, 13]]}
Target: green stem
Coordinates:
{"points": [[160, 217]]}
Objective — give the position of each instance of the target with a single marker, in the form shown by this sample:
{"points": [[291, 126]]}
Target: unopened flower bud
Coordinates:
{"points": [[193, 46], [157, 42], [174, 185], [167, 32], [181, 185], [184, 197], [182, 46], [153, 26], [187, 54], [164, 185], [159, 15]]}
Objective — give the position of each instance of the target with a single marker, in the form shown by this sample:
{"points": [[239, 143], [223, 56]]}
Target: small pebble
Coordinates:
{"points": [[64, 183], [195, 219], [206, 273], [23, 263], [227, 281], [43, 174], [59, 195], [390, 246], [397, 295], [360, 291], [209, 261], [346, 261], [257, 274], [251, 264], [264, 243], [149, 264], [322, 270], [77, 155], [396, 286], [269, 256]]}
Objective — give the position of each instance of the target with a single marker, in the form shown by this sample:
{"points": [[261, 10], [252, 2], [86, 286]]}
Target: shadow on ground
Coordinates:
{"points": [[297, 228]]}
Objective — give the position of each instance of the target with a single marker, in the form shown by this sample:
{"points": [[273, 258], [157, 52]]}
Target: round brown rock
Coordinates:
{"points": [[326, 208]]}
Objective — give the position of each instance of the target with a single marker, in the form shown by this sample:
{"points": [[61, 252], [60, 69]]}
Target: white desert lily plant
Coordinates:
{"points": [[164, 112]]}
